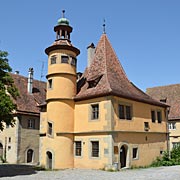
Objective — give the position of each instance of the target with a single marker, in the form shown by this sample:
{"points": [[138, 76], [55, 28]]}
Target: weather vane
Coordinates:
{"points": [[104, 27]]}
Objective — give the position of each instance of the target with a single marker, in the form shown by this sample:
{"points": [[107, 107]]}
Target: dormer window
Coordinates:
{"points": [[65, 59], [93, 83]]}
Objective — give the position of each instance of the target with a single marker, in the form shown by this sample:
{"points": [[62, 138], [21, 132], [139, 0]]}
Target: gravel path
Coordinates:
{"points": [[21, 172]]}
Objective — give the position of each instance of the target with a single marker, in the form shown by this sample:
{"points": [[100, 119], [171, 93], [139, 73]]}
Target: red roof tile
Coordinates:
{"points": [[106, 76], [28, 102], [172, 95]]}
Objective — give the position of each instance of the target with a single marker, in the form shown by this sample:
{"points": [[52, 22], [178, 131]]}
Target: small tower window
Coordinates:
{"points": [[50, 83], [73, 61], [50, 128], [64, 59], [53, 59]]}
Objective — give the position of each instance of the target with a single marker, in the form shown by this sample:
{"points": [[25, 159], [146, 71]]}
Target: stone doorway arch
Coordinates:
{"points": [[124, 156]]}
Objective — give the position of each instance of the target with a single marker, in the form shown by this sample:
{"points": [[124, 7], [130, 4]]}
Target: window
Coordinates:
{"points": [[53, 59], [73, 61], [121, 112], [64, 59], [153, 116], [159, 116], [128, 113], [125, 112], [95, 149], [31, 123], [50, 83], [146, 126], [78, 148], [172, 125], [135, 153], [176, 144], [49, 128], [95, 111], [9, 139]]}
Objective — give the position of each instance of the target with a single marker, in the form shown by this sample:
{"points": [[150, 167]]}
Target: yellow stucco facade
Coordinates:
{"points": [[98, 132], [174, 133]]}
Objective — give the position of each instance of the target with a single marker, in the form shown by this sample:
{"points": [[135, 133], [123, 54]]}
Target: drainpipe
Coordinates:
{"points": [[167, 132], [30, 81], [90, 54]]}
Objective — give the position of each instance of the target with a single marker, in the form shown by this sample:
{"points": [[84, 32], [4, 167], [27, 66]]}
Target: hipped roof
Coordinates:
{"points": [[170, 93], [26, 102], [109, 77]]}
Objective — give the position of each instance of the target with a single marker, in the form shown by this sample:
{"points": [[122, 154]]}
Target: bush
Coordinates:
{"points": [[166, 161]]}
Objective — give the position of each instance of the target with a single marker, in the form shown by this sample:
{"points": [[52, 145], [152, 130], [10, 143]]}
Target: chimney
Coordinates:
{"points": [[30, 81], [90, 54], [16, 72]]}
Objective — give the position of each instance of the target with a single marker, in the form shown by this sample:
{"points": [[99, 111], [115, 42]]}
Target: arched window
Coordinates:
{"points": [[49, 159]]}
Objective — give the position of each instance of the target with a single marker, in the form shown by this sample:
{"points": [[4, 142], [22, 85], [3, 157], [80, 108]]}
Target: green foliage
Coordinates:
{"points": [[8, 92], [166, 161], [3, 160]]}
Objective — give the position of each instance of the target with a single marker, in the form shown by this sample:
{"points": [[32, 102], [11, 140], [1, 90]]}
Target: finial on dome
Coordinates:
{"points": [[63, 20], [104, 27]]}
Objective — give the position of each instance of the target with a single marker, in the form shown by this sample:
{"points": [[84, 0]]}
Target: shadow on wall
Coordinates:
{"points": [[9, 170]]}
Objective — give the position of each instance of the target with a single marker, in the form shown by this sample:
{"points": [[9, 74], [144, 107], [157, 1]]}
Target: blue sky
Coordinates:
{"points": [[145, 35]]}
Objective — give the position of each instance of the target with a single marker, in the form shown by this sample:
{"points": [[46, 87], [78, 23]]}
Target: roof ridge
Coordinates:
{"points": [[106, 73], [118, 59], [163, 86], [27, 77]]}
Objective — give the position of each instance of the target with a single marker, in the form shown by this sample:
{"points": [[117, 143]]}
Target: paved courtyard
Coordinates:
{"points": [[21, 172]]}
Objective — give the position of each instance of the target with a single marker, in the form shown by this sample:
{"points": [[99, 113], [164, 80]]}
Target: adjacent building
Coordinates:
{"points": [[20, 144], [100, 120], [170, 94]]}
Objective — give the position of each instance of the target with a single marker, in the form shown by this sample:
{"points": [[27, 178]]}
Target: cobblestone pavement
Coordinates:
{"points": [[21, 172]]}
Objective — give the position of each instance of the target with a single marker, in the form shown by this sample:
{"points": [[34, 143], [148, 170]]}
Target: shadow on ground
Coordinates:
{"points": [[9, 170]]}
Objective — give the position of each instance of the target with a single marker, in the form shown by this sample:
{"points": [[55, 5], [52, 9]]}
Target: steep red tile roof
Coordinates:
{"points": [[172, 95], [26, 102], [106, 76]]}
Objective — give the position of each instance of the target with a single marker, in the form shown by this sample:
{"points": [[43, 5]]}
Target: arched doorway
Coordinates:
{"points": [[1, 149], [49, 160], [30, 153], [123, 156]]}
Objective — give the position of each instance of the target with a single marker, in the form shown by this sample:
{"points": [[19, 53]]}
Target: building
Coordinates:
{"points": [[101, 121], [171, 95], [20, 144]]}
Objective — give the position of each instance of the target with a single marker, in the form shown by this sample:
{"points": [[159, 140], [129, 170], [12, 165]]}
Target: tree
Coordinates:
{"points": [[8, 92]]}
